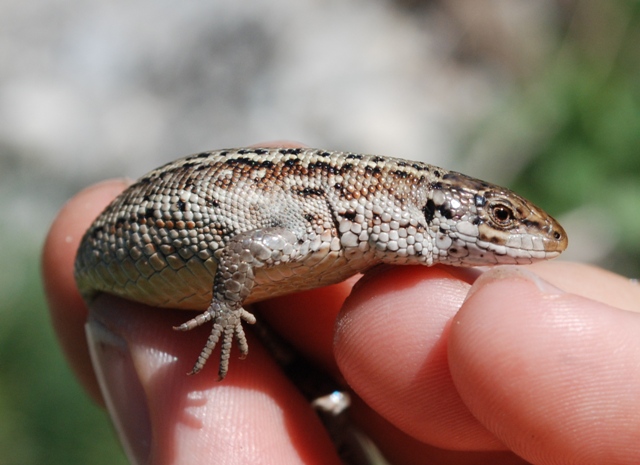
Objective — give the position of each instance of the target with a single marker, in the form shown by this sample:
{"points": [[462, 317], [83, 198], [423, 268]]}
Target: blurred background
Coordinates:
{"points": [[542, 96]]}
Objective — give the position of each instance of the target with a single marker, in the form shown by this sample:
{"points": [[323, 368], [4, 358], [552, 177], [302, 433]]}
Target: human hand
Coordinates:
{"points": [[518, 369]]}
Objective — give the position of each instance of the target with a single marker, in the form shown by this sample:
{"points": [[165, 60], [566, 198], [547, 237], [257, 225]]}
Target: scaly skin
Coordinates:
{"points": [[221, 229]]}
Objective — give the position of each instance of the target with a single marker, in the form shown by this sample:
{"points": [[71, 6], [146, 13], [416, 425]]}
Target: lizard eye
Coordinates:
{"points": [[501, 214]]}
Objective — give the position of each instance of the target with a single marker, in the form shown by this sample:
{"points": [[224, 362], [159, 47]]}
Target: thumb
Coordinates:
{"points": [[162, 415], [554, 375]]}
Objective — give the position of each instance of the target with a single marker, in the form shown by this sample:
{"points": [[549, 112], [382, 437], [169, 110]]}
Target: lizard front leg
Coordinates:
{"points": [[233, 283]]}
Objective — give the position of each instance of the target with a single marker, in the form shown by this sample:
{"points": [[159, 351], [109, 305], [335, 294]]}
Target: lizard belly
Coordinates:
{"points": [[189, 285]]}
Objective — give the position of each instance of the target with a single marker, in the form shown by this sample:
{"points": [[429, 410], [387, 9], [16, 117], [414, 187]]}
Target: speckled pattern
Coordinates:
{"points": [[225, 228]]}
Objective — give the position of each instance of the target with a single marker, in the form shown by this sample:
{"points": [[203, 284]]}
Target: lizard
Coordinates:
{"points": [[218, 230]]}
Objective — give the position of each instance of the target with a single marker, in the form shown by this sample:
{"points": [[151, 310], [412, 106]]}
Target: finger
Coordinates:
{"points": [[591, 282], [68, 311], [162, 415], [554, 375], [399, 447], [307, 320], [391, 348]]}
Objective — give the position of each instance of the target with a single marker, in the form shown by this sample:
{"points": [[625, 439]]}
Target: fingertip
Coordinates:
{"points": [[68, 311], [537, 366], [391, 347], [63, 238], [591, 281], [64, 235]]}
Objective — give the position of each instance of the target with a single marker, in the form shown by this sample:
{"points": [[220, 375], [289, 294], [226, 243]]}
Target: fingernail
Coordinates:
{"points": [[513, 272], [120, 385]]}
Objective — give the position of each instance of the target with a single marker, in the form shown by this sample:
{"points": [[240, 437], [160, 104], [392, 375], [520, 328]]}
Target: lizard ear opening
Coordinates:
{"points": [[429, 211]]}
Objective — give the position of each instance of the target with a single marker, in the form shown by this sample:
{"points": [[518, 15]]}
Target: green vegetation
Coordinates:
{"points": [[573, 131], [46, 418]]}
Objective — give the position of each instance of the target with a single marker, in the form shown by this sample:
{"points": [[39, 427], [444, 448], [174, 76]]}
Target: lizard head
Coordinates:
{"points": [[472, 222]]}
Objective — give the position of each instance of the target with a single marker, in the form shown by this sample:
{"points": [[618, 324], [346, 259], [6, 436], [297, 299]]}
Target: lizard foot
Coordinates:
{"points": [[227, 322]]}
